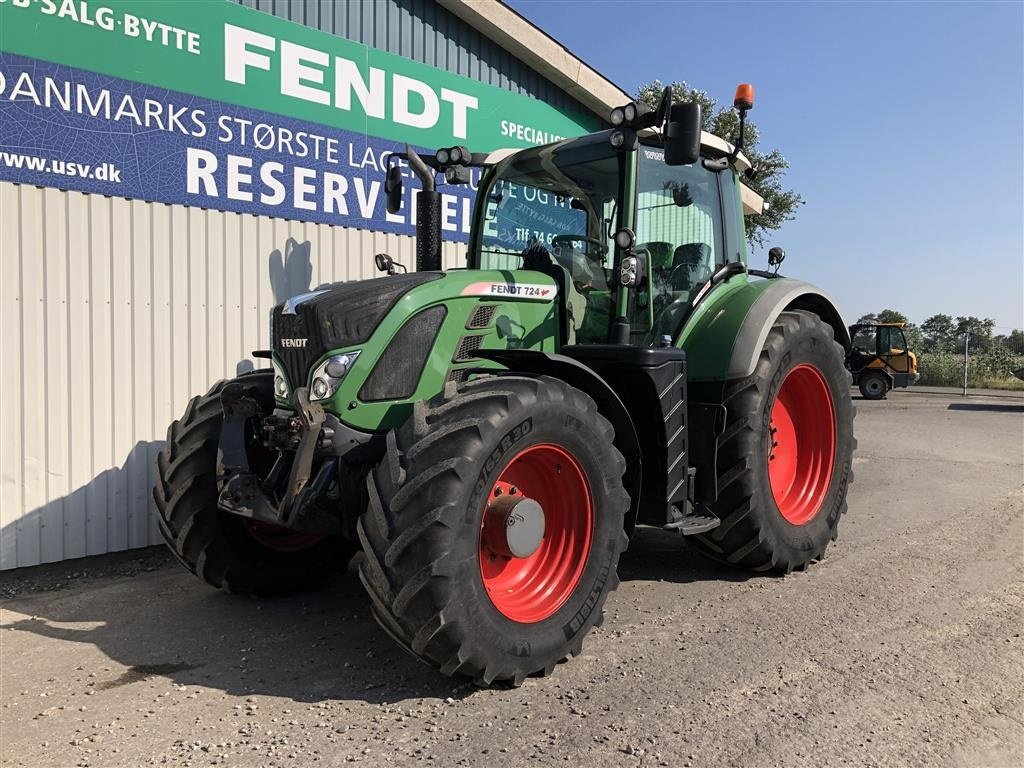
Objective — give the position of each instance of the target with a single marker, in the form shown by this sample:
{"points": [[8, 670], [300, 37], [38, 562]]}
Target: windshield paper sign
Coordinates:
{"points": [[520, 216]]}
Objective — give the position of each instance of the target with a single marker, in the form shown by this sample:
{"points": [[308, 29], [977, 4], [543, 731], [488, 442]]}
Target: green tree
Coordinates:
{"points": [[870, 317], [892, 316], [980, 331], [915, 339], [768, 167], [1015, 341], [939, 333]]}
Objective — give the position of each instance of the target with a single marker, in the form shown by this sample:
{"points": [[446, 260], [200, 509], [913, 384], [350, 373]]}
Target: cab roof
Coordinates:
{"points": [[753, 203]]}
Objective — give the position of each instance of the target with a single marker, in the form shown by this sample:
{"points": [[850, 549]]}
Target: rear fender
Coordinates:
{"points": [[609, 404], [725, 338]]}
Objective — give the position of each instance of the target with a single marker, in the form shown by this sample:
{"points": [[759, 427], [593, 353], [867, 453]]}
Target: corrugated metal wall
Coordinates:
{"points": [[114, 313], [423, 31]]}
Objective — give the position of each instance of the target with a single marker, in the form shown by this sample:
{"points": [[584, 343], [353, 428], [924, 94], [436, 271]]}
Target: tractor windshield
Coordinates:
{"points": [[555, 209]]}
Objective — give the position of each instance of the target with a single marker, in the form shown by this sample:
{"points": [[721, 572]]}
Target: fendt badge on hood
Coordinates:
{"points": [[293, 342]]}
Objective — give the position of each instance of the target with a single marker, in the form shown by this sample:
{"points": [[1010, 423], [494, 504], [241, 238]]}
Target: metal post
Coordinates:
{"points": [[967, 343]]}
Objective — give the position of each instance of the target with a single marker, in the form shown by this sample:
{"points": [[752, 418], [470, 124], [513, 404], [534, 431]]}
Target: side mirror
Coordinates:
{"points": [[682, 134], [776, 256], [393, 188]]}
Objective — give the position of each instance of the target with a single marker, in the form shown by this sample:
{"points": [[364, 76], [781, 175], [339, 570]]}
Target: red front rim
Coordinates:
{"points": [[530, 589], [279, 539], [803, 444]]}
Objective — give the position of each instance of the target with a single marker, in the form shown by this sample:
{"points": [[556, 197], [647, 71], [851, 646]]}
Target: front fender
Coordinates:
{"points": [[724, 338], [609, 404]]}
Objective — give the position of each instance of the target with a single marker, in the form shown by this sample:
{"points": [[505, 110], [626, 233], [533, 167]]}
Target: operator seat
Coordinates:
{"points": [[690, 269], [690, 266]]}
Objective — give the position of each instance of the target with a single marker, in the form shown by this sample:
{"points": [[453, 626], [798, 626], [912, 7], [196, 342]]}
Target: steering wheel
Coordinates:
{"points": [[668, 319], [601, 248]]}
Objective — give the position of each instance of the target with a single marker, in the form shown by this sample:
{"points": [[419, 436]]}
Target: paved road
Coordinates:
{"points": [[902, 648]]}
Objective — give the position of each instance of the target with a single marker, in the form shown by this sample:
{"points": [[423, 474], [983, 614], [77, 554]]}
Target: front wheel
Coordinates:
{"points": [[495, 526], [784, 460], [225, 550], [873, 386]]}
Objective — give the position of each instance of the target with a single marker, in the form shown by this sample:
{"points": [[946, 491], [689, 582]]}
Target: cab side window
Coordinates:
{"points": [[864, 341], [679, 225]]}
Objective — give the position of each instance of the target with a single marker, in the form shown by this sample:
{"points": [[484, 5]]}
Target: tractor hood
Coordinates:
{"points": [[308, 326], [408, 335]]}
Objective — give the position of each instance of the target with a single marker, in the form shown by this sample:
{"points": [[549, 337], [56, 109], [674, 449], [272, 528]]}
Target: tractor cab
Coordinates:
{"points": [[880, 359], [631, 241]]}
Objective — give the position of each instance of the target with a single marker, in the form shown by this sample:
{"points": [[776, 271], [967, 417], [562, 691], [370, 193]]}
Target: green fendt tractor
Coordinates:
{"points": [[489, 437]]}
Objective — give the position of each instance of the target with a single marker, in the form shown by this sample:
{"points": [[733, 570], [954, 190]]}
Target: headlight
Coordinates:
{"points": [[328, 375], [281, 388]]}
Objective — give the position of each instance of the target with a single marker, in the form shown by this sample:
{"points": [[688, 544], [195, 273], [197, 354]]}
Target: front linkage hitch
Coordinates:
{"points": [[242, 492]]}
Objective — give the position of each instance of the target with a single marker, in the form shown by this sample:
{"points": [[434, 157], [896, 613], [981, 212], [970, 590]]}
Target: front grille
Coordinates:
{"points": [[481, 317], [397, 373], [467, 346], [296, 360], [458, 375]]}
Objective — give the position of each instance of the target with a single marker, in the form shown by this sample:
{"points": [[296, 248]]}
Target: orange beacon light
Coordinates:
{"points": [[744, 97]]}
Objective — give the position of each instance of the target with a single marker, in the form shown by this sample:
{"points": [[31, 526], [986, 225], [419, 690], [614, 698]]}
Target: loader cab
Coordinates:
{"points": [[556, 209]]}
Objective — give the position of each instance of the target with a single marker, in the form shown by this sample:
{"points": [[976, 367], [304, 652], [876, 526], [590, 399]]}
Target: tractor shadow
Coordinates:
{"points": [[657, 555], [163, 623], [155, 621]]}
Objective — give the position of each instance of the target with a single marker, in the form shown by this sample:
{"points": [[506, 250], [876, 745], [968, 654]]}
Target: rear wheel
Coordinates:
{"points": [[226, 550], [873, 386], [494, 527], [784, 460]]}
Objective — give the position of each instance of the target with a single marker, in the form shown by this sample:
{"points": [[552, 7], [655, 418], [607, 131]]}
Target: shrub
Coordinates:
{"points": [[990, 369]]}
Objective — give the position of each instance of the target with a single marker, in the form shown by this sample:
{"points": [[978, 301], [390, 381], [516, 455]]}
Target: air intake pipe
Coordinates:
{"points": [[428, 215]]}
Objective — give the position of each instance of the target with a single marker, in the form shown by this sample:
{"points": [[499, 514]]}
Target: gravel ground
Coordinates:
{"points": [[902, 648]]}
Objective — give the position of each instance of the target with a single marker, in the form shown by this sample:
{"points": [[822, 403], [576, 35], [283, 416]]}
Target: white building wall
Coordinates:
{"points": [[113, 313]]}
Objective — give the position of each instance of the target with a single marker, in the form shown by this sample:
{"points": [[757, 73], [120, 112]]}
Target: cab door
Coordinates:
{"points": [[864, 349], [679, 232], [892, 348]]}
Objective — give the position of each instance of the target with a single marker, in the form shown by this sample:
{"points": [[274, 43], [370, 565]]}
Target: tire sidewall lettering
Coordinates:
{"points": [[552, 422], [495, 459]]}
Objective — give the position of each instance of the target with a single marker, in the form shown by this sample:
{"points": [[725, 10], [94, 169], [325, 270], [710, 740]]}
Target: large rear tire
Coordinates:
{"points": [[785, 458], [432, 559], [225, 550]]}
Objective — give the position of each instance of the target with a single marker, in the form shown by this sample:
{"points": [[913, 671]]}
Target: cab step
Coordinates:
{"points": [[692, 524]]}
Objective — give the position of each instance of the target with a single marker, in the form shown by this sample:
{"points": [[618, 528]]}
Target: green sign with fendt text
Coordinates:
{"points": [[223, 51]]}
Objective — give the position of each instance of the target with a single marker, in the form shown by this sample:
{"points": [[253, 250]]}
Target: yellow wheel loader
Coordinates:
{"points": [[880, 359]]}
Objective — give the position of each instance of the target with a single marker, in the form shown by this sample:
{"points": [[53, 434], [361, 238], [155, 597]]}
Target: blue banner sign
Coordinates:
{"points": [[72, 129]]}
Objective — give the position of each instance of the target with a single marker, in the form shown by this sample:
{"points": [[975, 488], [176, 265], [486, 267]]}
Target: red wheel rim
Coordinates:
{"points": [[533, 588], [279, 539], [802, 444]]}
